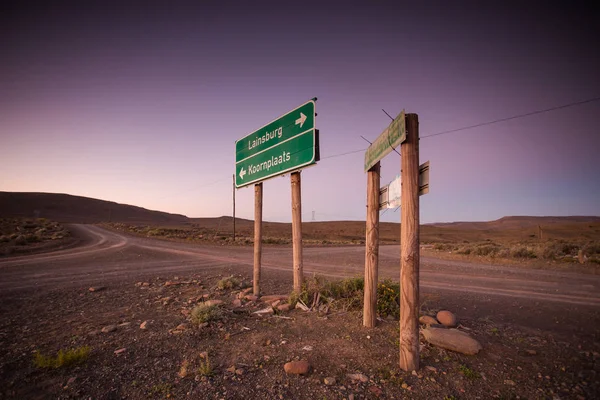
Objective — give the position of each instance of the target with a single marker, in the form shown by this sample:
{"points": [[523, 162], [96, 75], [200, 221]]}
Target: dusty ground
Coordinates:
{"points": [[540, 330]]}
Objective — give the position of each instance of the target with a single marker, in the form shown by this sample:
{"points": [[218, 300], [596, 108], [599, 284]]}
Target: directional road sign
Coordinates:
{"points": [[389, 195], [285, 144], [389, 139]]}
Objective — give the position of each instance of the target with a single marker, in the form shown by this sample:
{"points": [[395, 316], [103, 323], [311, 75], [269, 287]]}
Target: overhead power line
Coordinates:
{"points": [[578, 103]]}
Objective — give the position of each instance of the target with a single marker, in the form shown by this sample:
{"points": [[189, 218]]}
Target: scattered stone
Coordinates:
{"points": [[447, 318], [329, 381], [376, 391], [284, 307], [146, 284], [182, 327], [239, 372], [358, 377], [109, 328], [431, 368], [71, 380], [231, 369], [244, 293], [251, 297], [237, 303], [264, 311], [273, 297], [185, 312], [125, 324], [428, 320], [509, 382], [213, 302], [144, 325], [183, 371], [404, 385], [120, 351], [275, 303], [531, 352], [97, 289], [297, 367], [452, 339]]}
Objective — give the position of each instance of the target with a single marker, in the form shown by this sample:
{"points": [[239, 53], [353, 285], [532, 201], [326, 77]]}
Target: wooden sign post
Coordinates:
{"points": [[372, 247], [297, 231], [409, 247], [258, 198]]}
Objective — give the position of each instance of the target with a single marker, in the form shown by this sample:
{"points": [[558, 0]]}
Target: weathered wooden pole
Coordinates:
{"points": [[258, 197], [234, 207], [409, 247], [297, 231], [372, 247]]}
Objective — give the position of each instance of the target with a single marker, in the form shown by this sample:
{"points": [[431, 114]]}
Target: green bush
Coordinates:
{"points": [[228, 283], [62, 359], [522, 252], [388, 299], [205, 313]]}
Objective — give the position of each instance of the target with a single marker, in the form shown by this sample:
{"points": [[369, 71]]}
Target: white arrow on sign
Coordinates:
{"points": [[242, 173], [301, 120]]}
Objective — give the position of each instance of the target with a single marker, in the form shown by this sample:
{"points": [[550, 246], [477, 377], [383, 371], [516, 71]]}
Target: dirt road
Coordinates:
{"points": [[45, 305], [106, 256]]}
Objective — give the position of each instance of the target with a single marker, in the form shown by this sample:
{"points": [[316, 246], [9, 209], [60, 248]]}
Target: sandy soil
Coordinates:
{"points": [[540, 329]]}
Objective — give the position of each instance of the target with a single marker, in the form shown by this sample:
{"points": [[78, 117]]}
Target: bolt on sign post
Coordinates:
{"points": [[286, 144]]}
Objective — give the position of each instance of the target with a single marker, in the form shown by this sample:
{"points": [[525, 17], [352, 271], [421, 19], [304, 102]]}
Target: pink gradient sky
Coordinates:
{"points": [[143, 105]]}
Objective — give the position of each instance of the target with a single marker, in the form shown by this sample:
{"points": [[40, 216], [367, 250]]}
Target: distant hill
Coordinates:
{"points": [[515, 222], [76, 209]]}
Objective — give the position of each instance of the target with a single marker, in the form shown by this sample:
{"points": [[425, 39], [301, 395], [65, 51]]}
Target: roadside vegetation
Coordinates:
{"points": [[17, 235], [63, 358]]}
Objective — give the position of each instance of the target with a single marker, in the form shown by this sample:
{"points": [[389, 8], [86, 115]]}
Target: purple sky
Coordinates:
{"points": [[142, 105]]}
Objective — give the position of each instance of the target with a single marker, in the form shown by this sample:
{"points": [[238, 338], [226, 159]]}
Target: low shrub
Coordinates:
{"points": [[205, 313], [64, 358], [228, 283]]}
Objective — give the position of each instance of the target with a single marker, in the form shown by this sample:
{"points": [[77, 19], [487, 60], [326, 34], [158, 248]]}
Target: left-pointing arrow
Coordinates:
{"points": [[242, 173]]}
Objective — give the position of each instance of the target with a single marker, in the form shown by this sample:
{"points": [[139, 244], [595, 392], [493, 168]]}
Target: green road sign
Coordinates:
{"points": [[288, 143], [389, 139]]}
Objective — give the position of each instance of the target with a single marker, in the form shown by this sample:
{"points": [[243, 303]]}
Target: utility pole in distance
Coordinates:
{"points": [[409, 247]]}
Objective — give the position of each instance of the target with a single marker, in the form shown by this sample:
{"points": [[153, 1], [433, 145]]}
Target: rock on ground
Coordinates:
{"points": [[297, 367], [452, 339], [428, 320], [447, 318]]}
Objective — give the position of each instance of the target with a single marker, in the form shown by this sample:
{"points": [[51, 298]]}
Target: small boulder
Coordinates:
{"points": [[329, 381], [452, 339], [273, 297], [251, 297], [427, 320], [120, 351], [109, 328], [297, 367], [264, 311], [244, 293], [284, 307], [358, 377], [447, 318]]}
